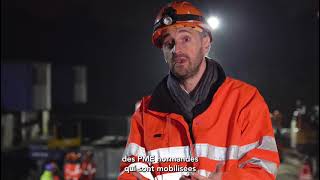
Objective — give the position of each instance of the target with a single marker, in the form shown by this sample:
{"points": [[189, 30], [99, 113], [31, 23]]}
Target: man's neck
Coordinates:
{"points": [[190, 83]]}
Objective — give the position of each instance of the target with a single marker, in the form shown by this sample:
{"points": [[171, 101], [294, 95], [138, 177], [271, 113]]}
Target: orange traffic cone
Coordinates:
{"points": [[305, 173]]}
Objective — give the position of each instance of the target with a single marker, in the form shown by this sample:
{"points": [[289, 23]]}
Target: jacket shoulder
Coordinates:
{"points": [[242, 86], [143, 103], [246, 92]]}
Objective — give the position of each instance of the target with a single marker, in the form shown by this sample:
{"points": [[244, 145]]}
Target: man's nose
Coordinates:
{"points": [[177, 48]]}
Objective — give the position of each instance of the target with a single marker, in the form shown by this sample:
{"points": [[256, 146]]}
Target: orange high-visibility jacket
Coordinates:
{"points": [[72, 171], [235, 129]]}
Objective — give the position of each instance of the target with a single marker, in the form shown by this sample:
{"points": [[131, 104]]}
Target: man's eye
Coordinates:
{"points": [[186, 39]]}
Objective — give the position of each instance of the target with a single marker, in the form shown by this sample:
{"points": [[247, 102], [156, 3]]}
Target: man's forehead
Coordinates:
{"points": [[176, 30]]}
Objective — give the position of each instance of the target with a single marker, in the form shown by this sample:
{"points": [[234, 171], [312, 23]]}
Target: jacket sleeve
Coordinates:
{"points": [[258, 155], [135, 148]]}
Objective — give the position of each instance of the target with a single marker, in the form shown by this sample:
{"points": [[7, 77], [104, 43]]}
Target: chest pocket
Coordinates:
{"points": [[155, 135]]}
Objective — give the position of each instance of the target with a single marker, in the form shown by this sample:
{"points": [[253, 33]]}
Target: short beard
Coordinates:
{"points": [[192, 71], [188, 73]]}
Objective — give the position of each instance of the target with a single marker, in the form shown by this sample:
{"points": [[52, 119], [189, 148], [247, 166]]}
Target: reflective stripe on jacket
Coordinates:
{"points": [[235, 129]]}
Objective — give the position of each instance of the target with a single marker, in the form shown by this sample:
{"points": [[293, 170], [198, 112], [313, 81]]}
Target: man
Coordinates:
{"points": [[72, 168], [88, 167], [48, 172], [198, 123]]}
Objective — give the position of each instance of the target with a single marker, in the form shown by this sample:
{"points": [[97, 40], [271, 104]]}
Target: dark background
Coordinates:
{"points": [[272, 44]]}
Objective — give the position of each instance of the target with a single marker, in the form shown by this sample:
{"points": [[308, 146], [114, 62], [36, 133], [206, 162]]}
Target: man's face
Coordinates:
{"points": [[184, 50]]}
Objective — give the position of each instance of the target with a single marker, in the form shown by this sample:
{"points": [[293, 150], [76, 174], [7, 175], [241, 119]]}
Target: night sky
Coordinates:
{"points": [[272, 44]]}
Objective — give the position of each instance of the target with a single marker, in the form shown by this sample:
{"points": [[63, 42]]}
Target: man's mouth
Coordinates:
{"points": [[180, 60]]}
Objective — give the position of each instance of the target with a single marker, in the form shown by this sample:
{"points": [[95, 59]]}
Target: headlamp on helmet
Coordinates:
{"points": [[179, 14]]}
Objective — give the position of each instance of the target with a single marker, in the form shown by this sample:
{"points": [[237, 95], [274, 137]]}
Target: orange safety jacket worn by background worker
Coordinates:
{"points": [[88, 170], [72, 171], [234, 128]]}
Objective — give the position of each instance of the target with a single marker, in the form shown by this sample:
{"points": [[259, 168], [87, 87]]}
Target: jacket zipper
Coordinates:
{"points": [[191, 131]]}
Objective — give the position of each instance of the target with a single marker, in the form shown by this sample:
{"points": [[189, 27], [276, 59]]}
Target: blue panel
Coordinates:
{"points": [[16, 87]]}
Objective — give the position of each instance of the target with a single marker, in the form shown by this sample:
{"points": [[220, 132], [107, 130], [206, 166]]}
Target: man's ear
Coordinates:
{"points": [[206, 44], [164, 54]]}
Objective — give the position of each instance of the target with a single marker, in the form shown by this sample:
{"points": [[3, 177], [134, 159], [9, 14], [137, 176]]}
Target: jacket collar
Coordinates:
{"points": [[162, 101]]}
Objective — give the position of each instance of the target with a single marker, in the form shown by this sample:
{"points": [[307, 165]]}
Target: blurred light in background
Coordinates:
{"points": [[213, 22]]}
